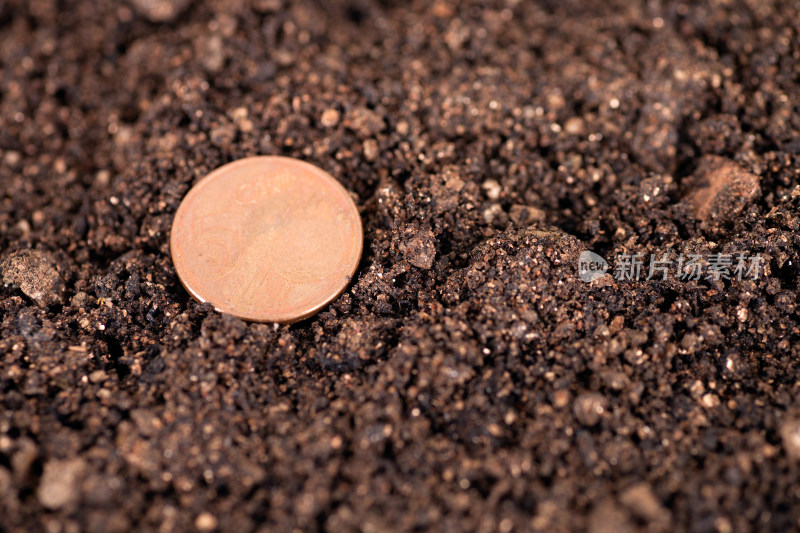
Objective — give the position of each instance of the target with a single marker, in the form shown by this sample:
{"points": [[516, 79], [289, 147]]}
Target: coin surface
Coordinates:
{"points": [[267, 239]]}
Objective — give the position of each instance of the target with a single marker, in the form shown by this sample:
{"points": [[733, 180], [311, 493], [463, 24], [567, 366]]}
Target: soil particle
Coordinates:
{"points": [[420, 247], [493, 189], [643, 503], [720, 189], [523, 215], [206, 522], [790, 434], [589, 408], [364, 121], [7, 496], [79, 300], [222, 134], [329, 118], [60, 483], [370, 149], [36, 274], [494, 215], [160, 10], [608, 517], [23, 455], [211, 53]]}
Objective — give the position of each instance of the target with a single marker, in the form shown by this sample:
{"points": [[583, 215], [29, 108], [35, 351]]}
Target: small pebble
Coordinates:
{"points": [[34, 273], [23, 459], [98, 376], [371, 149], [211, 53], [240, 117], [523, 215], [6, 484], [24, 227], [206, 522], [364, 121], [608, 517], [79, 300], [420, 249], [267, 6], [222, 135], [239, 114], [492, 189], [403, 127], [615, 380], [102, 178], [790, 434], [146, 422], [12, 158], [606, 280], [589, 408], [160, 10], [330, 118], [720, 189], [561, 398], [643, 503], [59, 484], [492, 213], [575, 126], [710, 400]]}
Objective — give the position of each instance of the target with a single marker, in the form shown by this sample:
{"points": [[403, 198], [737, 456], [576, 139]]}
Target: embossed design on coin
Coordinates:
{"points": [[268, 239]]}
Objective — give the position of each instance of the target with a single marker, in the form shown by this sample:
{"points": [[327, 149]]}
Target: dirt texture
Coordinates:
{"points": [[467, 380]]}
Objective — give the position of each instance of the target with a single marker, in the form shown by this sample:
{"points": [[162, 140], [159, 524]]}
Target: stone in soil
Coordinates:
{"points": [[642, 502], [36, 274], [60, 483], [720, 189], [160, 10], [420, 248], [589, 408], [790, 435]]}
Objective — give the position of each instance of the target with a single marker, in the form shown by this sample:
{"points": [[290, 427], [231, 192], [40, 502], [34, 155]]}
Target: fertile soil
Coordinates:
{"points": [[467, 380]]}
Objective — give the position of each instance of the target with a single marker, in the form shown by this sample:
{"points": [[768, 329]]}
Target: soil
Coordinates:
{"points": [[467, 380]]}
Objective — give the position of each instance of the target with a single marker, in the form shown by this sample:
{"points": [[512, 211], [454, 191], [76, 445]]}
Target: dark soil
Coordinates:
{"points": [[467, 379]]}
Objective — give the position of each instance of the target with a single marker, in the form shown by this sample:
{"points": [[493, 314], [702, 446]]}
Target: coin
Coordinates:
{"points": [[267, 239]]}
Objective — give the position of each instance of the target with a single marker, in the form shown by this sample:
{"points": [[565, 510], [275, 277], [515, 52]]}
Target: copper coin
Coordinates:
{"points": [[267, 239]]}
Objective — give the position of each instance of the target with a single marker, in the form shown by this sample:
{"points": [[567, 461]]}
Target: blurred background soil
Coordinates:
{"points": [[467, 380]]}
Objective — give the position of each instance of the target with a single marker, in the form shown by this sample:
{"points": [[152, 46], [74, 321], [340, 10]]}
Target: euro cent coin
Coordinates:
{"points": [[267, 239]]}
